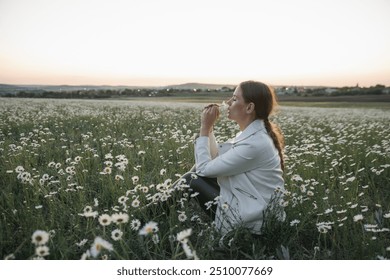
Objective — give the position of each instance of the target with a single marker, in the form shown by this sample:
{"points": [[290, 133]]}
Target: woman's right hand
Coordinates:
{"points": [[209, 116]]}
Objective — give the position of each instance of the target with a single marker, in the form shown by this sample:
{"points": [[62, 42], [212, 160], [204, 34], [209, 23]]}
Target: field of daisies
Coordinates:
{"points": [[86, 179]]}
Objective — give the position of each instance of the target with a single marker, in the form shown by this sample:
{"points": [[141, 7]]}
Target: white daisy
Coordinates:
{"points": [[116, 234], [40, 237]]}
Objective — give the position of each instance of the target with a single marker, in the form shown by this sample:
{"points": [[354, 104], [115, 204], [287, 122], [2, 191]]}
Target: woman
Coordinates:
{"points": [[249, 168]]}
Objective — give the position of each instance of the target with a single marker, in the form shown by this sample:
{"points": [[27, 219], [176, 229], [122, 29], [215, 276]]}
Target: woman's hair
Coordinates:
{"points": [[265, 102]]}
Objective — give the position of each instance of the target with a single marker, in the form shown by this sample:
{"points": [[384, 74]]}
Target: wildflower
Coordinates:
{"points": [[194, 176], [19, 169], [116, 234], [89, 213], [183, 235], [187, 250], [167, 182], [120, 218], [86, 255], [296, 178], [155, 239], [225, 206], [82, 243], [163, 171], [149, 228], [323, 227], [98, 245], [386, 216], [135, 179], [310, 193], [107, 170], [135, 203], [108, 156], [105, 219], [135, 224], [119, 178], [342, 219], [357, 217], [330, 210], [294, 222], [351, 179], [194, 194], [122, 199], [145, 189], [141, 153], [40, 237], [42, 251], [182, 217]]}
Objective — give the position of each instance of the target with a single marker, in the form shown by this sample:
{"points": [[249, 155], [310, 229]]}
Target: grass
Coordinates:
{"points": [[66, 164]]}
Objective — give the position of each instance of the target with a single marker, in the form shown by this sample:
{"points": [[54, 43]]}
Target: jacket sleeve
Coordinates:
{"points": [[240, 158], [213, 146]]}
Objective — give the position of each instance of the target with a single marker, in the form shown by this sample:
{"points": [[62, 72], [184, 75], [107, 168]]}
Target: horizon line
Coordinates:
{"points": [[178, 84]]}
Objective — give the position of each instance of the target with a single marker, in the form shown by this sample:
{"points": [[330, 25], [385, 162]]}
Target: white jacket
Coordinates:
{"points": [[248, 171]]}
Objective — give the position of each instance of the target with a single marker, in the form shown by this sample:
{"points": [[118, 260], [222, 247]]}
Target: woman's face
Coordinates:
{"points": [[237, 106]]}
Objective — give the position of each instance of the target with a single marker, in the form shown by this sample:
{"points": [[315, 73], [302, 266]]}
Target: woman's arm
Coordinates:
{"points": [[213, 145], [241, 158]]}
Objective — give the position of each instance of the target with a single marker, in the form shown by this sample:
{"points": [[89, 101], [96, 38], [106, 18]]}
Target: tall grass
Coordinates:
{"points": [[93, 175]]}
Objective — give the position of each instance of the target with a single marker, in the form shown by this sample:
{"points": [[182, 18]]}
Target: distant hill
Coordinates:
{"points": [[199, 86], [13, 89]]}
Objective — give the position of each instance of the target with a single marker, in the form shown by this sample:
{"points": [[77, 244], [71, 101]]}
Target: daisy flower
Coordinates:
{"points": [[135, 224], [357, 217], [155, 239], [105, 219], [40, 237], [149, 228], [183, 235], [42, 251], [89, 213], [120, 218], [294, 222], [135, 203], [116, 234], [135, 179], [98, 245], [122, 199], [182, 217]]}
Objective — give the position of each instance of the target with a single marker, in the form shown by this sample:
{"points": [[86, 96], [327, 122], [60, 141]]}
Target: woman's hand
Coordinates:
{"points": [[209, 116]]}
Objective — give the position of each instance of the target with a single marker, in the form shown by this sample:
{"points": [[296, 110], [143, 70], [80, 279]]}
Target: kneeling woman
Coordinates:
{"points": [[245, 172]]}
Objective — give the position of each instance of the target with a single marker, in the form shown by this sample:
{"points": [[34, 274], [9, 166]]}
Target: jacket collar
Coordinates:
{"points": [[252, 128]]}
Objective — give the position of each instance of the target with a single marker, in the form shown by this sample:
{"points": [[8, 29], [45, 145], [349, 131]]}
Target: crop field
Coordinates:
{"points": [[84, 179]]}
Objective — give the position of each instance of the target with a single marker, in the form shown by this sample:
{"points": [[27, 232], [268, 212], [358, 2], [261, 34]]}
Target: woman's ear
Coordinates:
{"points": [[250, 107]]}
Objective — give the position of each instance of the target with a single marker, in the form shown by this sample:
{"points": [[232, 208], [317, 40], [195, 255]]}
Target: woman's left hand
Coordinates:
{"points": [[209, 116]]}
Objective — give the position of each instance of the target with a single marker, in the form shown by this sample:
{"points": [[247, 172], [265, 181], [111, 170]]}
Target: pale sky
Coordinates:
{"points": [[163, 42]]}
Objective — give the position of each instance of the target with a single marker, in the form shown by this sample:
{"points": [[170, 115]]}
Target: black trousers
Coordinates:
{"points": [[207, 189]]}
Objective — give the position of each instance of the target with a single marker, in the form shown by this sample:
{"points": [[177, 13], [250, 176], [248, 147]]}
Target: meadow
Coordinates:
{"points": [[84, 179]]}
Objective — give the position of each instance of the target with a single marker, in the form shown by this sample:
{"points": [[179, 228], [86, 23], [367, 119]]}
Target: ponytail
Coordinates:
{"points": [[277, 137], [264, 98]]}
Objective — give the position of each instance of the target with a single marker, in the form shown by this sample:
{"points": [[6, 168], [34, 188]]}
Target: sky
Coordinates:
{"points": [[165, 42]]}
